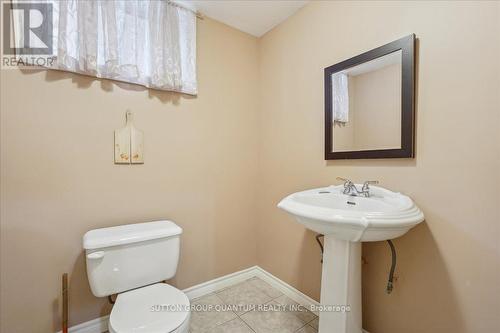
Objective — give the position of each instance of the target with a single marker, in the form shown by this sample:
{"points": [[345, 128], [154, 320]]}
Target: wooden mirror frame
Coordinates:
{"points": [[407, 46]]}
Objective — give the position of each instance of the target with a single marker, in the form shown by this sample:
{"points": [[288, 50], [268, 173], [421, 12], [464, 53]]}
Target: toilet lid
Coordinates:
{"points": [[158, 308]]}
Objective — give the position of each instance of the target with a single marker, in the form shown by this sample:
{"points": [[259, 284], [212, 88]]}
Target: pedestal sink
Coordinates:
{"points": [[346, 221]]}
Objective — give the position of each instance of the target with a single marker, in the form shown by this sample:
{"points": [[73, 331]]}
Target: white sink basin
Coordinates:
{"points": [[384, 215], [346, 221]]}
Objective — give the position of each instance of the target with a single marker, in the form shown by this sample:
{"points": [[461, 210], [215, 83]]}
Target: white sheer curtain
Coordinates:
{"points": [[147, 42], [340, 83]]}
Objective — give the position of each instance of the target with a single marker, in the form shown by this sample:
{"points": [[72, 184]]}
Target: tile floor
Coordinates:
{"points": [[246, 313]]}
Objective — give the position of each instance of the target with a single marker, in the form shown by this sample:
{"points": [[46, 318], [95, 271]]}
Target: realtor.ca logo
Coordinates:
{"points": [[27, 34]]}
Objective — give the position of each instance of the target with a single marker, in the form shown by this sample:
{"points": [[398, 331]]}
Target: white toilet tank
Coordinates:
{"points": [[131, 256]]}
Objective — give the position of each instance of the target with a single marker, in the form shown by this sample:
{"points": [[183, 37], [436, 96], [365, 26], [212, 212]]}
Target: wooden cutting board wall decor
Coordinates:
{"points": [[129, 143]]}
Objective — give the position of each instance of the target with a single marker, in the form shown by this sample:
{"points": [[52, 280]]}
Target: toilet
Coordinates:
{"points": [[132, 261]]}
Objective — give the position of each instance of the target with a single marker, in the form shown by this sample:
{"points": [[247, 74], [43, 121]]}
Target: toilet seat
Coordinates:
{"points": [[158, 308]]}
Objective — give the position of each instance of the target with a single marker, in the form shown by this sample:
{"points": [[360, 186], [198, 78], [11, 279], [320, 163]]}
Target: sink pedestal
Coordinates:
{"points": [[341, 285], [346, 222]]}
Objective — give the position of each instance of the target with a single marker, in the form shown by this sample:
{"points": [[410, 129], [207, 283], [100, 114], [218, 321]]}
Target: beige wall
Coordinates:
{"points": [[377, 116], [449, 267], [59, 180], [207, 158]]}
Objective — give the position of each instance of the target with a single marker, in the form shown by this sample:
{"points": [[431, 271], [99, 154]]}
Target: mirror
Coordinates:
{"points": [[369, 106], [366, 105]]}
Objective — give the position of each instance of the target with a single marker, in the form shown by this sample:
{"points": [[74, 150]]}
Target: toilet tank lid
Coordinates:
{"points": [[129, 233]]}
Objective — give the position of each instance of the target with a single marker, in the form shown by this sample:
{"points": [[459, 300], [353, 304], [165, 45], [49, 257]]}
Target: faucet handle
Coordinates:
{"points": [[345, 180], [366, 185], [348, 184]]}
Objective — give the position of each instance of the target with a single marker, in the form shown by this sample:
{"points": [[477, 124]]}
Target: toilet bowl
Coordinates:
{"points": [[158, 308], [132, 261]]}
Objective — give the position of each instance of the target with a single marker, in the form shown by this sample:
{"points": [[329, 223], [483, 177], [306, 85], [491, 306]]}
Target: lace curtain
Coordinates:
{"points": [[146, 42], [340, 83]]}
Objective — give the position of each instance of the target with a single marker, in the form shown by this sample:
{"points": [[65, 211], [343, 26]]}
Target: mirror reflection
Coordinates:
{"points": [[366, 105]]}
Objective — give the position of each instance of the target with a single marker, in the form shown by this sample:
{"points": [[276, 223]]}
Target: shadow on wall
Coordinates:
{"points": [[79, 289], [310, 265], [385, 163], [84, 82], [418, 260], [40, 284]]}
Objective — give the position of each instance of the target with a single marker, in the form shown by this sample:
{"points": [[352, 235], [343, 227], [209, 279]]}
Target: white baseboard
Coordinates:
{"points": [[286, 289], [97, 325], [100, 325], [222, 282]]}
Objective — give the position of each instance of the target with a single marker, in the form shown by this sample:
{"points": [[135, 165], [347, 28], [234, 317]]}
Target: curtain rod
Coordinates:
{"points": [[197, 13]]}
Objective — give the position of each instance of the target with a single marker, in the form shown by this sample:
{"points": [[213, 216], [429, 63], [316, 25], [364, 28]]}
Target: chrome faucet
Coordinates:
{"points": [[366, 187], [351, 189]]}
